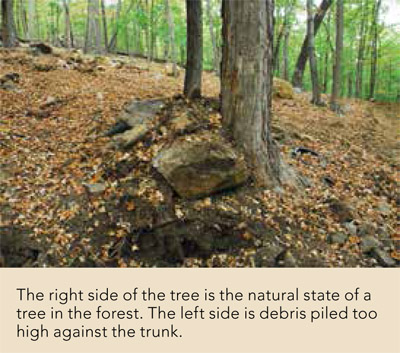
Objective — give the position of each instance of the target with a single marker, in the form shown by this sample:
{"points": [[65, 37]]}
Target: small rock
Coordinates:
{"points": [[97, 188], [351, 228], [384, 208], [337, 238], [343, 211], [282, 89], [366, 229], [297, 90], [383, 258], [285, 259], [368, 244]]}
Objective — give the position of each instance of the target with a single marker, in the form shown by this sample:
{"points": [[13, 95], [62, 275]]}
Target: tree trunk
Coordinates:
{"points": [[316, 93], [105, 31], [31, 19], [246, 81], [286, 54], [213, 40], [297, 79], [194, 61], [113, 41], [68, 29], [361, 49], [93, 32], [374, 52], [172, 45], [337, 68], [8, 32]]}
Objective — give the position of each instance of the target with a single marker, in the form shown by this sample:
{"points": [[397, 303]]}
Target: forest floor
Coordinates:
{"points": [[53, 155]]}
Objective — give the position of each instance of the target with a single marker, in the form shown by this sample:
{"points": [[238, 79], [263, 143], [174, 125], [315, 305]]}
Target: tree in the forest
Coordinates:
{"points": [[8, 32], [316, 91], [303, 56], [171, 32], [337, 67], [93, 31], [216, 60], [374, 49], [194, 63], [246, 81]]}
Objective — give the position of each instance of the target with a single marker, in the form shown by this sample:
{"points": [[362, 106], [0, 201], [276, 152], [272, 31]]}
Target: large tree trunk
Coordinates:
{"points": [[337, 68], [8, 32], [247, 82], [171, 31], [194, 63], [303, 56], [316, 92]]}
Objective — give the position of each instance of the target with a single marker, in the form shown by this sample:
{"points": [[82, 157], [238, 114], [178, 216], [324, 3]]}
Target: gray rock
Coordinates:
{"points": [[351, 228], [383, 258], [297, 90], [337, 238], [97, 188], [384, 208], [140, 116], [201, 167], [366, 229], [369, 244]]}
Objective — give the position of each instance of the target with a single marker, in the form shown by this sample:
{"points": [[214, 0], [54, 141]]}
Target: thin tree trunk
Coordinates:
{"points": [[286, 54], [113, 41], [361, 49], [68, 30], [194, 64], [171, 30], [105, 31], [297, 79], [212, 36], [8, 31], [337, 68], [31, 19], [316, 94], [374, 52]]}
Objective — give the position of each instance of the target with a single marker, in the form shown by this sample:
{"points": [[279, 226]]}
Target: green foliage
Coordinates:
{"points": [[143, 23]]}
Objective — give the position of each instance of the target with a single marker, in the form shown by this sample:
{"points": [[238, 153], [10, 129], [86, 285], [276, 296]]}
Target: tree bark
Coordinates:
{"points": [[8, 32], [316, 92], [297, 79], [213, 40], [374, 52], [31, 19], [361, 49], [171, 31], [194, 61], [93, 32], [105, 31], [337, 68], [246, 81]]}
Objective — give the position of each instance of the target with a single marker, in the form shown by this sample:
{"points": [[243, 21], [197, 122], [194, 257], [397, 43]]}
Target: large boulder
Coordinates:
{"points": [[139, 117], [201, 166], [282, 89]]}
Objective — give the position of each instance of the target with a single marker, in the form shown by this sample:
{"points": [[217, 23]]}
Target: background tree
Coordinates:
{"points": [[194, 64], [316, 91], [8, 32], [303, 56], [246, 84], [337, 67]]}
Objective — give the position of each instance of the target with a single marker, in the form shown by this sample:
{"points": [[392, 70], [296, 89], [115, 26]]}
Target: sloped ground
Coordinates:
{"points": [[69, 198]]}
